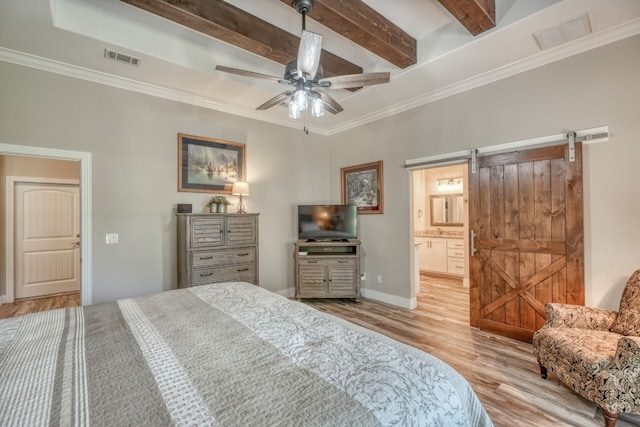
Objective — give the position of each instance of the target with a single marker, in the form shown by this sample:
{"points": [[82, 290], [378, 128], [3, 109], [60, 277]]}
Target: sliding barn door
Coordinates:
{"points": [[526, 215]]}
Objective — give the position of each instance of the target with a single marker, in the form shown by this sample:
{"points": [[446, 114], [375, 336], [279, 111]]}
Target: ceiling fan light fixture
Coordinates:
{"points": [[294, 110], [309, 54], [317, 107], [300, 98], [306, 78]]}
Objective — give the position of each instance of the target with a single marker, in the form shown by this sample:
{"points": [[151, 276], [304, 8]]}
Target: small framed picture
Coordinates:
{"points": [[363, 185], [207, 165]]}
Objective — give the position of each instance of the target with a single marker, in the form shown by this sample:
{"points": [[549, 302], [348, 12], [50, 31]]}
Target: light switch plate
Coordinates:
{"points": [[112, 238]]}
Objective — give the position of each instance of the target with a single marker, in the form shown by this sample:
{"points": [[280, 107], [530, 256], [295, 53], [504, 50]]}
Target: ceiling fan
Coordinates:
{"points": [[306, 77]]}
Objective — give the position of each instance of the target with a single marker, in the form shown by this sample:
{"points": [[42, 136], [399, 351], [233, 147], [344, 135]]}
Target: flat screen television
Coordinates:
{"points": [[327, 222]]}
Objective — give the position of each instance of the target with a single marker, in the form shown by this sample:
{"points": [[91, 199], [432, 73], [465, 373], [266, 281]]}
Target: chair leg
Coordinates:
{"points": [[543, 372], [610, 419]]}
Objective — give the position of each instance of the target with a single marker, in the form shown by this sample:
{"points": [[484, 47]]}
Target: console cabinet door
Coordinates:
{"points": [[341, 277], [241, 230], [425, 254], [207, 232], [311, 275], [439, 260], [433, 254]]}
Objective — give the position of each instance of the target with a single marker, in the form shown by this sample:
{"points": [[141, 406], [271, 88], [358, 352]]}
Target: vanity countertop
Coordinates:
{"points": [[445, 234]]}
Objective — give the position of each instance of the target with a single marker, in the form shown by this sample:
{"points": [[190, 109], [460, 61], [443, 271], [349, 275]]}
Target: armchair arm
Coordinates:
{"points": [[578, 316], [627, 355], [616, 388]]}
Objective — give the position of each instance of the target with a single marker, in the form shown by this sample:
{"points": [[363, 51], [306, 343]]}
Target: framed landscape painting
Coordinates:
{"points": [[362, 185], [207, 165]]}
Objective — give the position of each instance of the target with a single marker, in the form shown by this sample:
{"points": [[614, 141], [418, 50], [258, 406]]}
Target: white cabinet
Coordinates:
{"points": [[433, 254], [455, 256], [440, 255]]}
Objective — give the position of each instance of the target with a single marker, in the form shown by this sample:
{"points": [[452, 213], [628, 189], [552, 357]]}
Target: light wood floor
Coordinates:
{"points": [[34, 305], [503, 372]]}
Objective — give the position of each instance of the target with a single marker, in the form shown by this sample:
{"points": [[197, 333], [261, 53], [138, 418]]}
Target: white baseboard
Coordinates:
{"points": [[4, 299], [287, 293], [409, 303]]}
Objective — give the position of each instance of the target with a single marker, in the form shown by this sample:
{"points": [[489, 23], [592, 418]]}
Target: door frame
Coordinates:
{"points": [[84, 158], [10, 219]]}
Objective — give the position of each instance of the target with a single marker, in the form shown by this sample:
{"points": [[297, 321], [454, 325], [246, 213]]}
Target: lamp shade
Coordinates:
{"points": [[240, 189]]}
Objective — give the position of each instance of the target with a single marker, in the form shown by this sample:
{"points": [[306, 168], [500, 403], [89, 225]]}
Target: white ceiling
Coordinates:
{"points": [[69, 37]]}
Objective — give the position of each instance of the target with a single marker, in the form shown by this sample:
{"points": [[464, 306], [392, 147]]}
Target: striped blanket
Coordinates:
{"points": [[227, 354]]}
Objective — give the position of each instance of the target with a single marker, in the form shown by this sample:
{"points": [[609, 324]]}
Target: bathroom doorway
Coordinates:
{"points": [[440, 224]]}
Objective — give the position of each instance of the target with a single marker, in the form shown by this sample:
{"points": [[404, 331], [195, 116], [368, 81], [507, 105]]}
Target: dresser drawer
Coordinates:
{"points": [[330, 262], [223, 274], [222, 257], [455, 244], [456, 266], [458, 253]]}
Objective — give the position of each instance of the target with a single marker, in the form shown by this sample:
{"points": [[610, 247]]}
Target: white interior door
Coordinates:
{"points": [[47, 236]]}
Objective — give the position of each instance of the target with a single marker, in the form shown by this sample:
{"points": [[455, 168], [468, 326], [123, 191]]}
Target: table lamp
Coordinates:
{"points": [[240, 189]]}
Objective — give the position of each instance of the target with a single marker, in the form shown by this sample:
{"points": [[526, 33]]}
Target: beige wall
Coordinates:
{"points": [[132, 138], [133, 141], [599, 87], [28, 167]]}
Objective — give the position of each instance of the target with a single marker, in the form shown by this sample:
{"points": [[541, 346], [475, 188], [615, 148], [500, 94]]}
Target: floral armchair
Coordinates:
{"points": [[596, 352]]}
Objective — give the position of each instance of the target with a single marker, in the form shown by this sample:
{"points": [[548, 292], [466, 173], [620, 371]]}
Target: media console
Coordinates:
{"points": [[327, 269]]}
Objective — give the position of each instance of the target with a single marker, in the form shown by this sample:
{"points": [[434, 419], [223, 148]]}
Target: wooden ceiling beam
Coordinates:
{"points": [[225, 22], [476, 16], [364, 26]]}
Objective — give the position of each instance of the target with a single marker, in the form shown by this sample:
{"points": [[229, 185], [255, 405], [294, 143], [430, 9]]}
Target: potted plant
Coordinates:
{"points": [[213, 204], [222, 204], [218, 204]]}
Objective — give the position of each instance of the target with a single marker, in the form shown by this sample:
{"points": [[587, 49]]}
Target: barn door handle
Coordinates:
{"points": [[473, 243]]}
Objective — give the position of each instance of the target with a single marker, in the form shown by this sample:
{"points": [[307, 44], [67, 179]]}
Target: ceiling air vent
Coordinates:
{"points": [[565, 32], [117, 56]]}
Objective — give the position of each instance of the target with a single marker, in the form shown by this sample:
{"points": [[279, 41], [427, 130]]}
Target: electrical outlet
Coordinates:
{"points": [[112, 238], [379, 278], [363, 276]]}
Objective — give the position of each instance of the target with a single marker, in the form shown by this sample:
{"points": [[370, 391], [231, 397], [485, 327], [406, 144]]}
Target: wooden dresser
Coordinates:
{"points": [[217, 248], [327, 269]]}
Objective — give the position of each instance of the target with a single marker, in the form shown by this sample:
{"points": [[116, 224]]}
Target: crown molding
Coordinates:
{"points": [[603, 38], [599, 39]]}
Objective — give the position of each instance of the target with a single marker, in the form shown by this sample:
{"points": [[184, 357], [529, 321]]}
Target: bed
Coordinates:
{"points": [[226, 354]]}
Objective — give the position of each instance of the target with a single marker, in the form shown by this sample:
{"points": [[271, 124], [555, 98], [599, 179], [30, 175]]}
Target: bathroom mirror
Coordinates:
{"points": [[447, 210]]}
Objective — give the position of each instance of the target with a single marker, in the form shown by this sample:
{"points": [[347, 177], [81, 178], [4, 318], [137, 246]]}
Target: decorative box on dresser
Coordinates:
{"points": [[327, 269], [216, 248]]}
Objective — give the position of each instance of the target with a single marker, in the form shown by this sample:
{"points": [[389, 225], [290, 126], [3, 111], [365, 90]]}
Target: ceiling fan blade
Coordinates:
{"points": [[330, 104], [245, 73], [355, 80], [309, 54], [278, 99]]}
